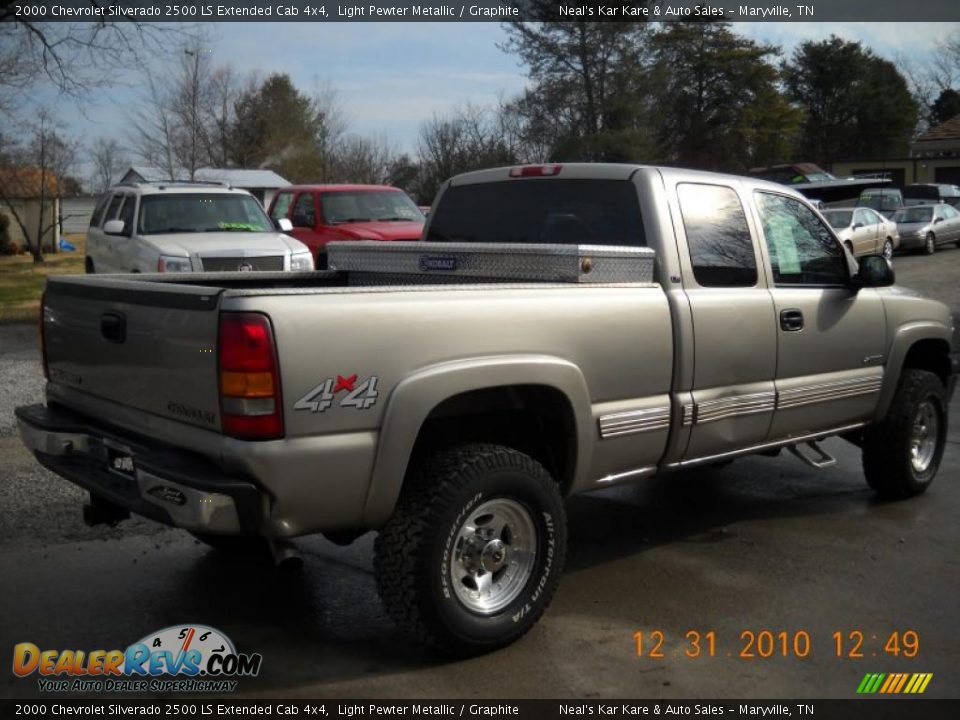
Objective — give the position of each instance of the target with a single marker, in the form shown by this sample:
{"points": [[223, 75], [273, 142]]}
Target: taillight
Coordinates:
{"points": [[43, 335], [251, 403], [535, 170]]}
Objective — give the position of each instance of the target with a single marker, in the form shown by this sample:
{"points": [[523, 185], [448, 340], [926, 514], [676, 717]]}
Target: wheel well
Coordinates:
{"points": [[931, 355], [535, 419]]}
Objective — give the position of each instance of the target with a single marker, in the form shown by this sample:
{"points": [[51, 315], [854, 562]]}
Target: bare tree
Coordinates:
{"points": [[153, 134], [331, 124], [72, 56], [367, 160], [219, 113], [108, 162], [34, 172]]}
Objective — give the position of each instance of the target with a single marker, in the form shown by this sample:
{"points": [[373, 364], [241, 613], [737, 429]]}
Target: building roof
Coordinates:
{"points": [[23, 183], [237, 177], [945, 131]]}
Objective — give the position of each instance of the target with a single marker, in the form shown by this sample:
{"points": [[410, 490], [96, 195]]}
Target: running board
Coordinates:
{"points": [[820, 460]]}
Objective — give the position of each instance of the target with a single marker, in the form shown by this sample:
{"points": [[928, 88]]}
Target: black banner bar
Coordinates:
{"points": [[483, 10], [865, 709]]}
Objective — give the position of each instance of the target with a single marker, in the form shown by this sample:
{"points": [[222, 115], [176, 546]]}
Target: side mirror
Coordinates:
{"points": [[284, 225], [937, 220], [114, 227], [857, 226], [874, 271]]}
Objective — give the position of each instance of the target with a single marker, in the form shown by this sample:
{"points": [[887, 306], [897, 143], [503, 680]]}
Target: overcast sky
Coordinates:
{"points": [[392, 76]]}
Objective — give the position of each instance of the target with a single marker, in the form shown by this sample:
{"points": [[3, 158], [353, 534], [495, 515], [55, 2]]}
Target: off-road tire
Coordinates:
{"points": [[417, 548], [930, 244], [888, 445]]}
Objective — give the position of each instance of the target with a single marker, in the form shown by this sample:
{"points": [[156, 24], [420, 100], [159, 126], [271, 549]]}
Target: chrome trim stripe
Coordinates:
{"points": [[634, 421], [825, 392], [767, 446], [618, 478], [728, 407], [689, 414]]}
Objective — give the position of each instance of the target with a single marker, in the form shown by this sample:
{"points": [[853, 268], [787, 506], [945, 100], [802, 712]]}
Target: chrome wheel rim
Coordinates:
{"points": [[493, 556], [888, 250], [924, 437]]}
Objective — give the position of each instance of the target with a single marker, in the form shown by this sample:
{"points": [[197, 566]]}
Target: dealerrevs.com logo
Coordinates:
{"points": [[180, 658]]}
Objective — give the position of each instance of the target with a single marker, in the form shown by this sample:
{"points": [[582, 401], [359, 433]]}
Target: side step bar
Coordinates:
{"points": [[820, 458]]}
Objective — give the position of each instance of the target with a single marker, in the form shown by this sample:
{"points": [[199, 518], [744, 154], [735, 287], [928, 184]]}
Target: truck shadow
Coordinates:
{"points": [[325, 626]]}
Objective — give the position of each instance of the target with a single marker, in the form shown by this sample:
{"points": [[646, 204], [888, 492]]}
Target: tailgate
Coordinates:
{"points": [[145, 345]]}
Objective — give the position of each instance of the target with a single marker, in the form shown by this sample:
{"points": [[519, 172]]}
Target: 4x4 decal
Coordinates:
{"points": [[360, 395]]}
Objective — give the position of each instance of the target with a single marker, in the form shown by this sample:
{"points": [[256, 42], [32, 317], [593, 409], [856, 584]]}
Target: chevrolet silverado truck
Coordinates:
{"points": [[560, 329]]}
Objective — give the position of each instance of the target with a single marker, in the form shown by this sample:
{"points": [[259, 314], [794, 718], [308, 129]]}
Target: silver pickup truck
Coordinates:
{"points": [[560, 329]]}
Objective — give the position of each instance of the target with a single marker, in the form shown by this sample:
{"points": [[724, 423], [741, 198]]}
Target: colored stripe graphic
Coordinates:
{"points": [[894, 683]]}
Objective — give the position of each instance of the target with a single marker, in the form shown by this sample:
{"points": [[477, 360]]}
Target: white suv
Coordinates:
{"points": [[187, 227]]}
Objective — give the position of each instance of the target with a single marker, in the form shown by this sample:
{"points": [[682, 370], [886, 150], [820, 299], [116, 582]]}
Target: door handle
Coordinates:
{"points": [[791, 320]]}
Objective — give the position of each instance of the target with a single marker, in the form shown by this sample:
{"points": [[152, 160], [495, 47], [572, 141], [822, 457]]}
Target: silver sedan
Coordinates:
{"points": [[927, 226], [864, 231]]}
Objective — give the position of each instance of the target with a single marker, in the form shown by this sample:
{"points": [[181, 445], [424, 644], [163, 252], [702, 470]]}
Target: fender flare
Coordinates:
{"points": [[905, 338], [416, 396]]}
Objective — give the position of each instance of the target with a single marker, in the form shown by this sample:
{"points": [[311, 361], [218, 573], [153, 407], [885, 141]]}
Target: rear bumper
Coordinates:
{"points": [[170, 486]]}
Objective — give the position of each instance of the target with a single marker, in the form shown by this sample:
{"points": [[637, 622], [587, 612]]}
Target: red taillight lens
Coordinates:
{"points": [[535, 170], [43, 335], [251, 403]]}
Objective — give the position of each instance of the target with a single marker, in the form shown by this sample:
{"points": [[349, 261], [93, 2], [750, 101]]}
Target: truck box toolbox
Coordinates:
{"points": [[500, 261]]}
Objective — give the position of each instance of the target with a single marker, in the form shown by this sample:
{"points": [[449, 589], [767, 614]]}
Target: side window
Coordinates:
{"points": [[281, 205], [126, 213], [114, 206], [721, 250], [304, 214], [96, 217], [802, 250]]}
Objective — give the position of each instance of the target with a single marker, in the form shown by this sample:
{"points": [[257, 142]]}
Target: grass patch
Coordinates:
{"points": [[21, 282]]}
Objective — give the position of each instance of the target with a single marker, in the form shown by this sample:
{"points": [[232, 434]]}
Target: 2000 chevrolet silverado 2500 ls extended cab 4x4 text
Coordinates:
{"points": [[563, 328]]}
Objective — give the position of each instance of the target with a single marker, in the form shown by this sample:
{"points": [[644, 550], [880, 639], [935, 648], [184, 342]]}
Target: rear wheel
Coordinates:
{"points": [[901, 454], [888, 249], [473, 554], [930, 244]]}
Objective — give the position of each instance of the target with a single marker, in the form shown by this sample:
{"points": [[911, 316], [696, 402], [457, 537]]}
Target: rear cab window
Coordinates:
{"points": [[562, 212], [718, 237]]}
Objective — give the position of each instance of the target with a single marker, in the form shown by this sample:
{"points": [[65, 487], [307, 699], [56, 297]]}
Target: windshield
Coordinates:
{"points": [[914, 215], [880, 201], [368, 206], [201, 212], [838, 218], [596, 212], [922, 192]]}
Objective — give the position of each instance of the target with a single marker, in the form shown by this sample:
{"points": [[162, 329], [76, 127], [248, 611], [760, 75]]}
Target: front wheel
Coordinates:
{"points": [[902, 453], [930, 244], [473, 554], [888, 249]]}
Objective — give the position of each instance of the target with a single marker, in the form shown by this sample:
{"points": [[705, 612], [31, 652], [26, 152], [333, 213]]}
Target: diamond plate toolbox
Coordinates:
{"points": [[497, 261]]}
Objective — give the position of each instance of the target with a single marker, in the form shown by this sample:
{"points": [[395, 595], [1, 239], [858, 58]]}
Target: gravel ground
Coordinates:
{"points": [[36, 500]]}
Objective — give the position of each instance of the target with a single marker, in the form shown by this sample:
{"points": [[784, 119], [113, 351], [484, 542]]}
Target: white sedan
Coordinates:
{"points": [[864, 231]]}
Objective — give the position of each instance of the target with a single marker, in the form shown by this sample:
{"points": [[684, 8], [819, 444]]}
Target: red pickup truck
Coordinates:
{"points": [[325, 213]]}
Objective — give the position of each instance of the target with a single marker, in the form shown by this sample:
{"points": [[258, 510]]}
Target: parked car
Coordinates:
{"points": [[451, 394], [186, 227], [863, 231], [885, 201], [927, 226], [931, 194], [327, 213]]}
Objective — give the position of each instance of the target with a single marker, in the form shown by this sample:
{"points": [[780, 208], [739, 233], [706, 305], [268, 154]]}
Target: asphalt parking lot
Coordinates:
{"points": [[763, 544]]}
